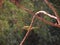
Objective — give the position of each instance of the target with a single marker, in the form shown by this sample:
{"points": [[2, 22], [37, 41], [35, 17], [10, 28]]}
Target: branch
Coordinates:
{"points": [[29, 29], [54, 10], [35, 14], [46, 14], [32, 13], [45, 21]]}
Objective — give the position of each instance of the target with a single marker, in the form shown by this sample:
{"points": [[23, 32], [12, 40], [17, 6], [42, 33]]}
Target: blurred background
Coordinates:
{"points": [[13, 19]]}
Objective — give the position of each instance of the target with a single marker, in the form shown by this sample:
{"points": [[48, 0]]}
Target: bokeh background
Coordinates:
{"points": [[13, 19]]}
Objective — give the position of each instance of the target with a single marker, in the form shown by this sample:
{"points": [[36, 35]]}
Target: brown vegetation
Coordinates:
{"points": [[1, 3]]}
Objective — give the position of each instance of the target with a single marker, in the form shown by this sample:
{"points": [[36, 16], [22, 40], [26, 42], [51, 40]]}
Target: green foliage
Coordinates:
{"points": [[13, 19]]}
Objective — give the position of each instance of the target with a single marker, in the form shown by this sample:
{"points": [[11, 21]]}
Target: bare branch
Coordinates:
{"points": [[47, 22], [29, 29], [32, 13], [54, 10], [46, 14]]}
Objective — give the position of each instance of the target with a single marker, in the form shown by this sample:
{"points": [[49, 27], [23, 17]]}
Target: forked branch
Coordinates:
{"points": [[54, 10], [29, 29], [32, 13], [42, 19]]}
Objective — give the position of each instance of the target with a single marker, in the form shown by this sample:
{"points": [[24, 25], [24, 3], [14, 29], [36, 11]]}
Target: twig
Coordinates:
{"points": [[29, 29], [47, 22], [44, 12], [54, 10]]}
